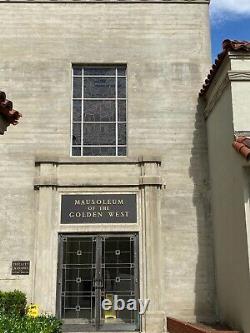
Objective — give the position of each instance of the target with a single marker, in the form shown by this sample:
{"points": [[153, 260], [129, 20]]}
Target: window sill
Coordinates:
{"points": [[97, 160]]}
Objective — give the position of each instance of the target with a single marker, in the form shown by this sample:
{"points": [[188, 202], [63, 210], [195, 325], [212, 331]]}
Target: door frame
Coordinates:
{"points": [[97, 327]]}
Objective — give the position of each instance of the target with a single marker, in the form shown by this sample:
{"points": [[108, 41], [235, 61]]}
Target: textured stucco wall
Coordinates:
{"points": [[230, 199], [166, 48]]}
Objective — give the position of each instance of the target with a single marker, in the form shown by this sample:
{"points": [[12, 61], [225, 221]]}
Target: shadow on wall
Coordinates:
{"points": [[205, 302]]}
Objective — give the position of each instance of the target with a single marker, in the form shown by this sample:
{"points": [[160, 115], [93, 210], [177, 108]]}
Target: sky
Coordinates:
{"points": [[230, 19]]}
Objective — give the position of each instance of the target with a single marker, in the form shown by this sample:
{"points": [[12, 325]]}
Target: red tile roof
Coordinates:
{"points": [[6, 109], [242, 145], [227, 45]]}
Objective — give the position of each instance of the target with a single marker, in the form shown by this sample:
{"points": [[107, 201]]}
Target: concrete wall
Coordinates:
{"points": [[166, 49], [230, 196]]}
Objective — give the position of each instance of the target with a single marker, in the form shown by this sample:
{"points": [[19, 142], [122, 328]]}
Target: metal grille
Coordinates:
{"points": [[118, 270], [93, 268], [77, 284]]}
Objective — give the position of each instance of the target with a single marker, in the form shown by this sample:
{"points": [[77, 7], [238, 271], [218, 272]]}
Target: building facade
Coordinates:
{"points": [[105, 179], [226, 110]]}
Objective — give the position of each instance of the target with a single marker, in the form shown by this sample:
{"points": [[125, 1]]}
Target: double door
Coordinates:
{"points": [[97, 279]]}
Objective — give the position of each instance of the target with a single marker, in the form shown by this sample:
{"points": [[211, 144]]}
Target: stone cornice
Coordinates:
{"points": [[216, 96], [239, 55], [56, 174], [228, 77], [239, 75], [109, 1]]}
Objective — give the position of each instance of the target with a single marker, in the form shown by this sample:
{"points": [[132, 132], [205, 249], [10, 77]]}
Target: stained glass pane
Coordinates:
{"points": [[99, 87], [77, 87], [122, 134], [121, 70], [99, 151], [99, 134], [77, 110], [122, 151], [99, 111], [77, 70], [99, 71], [121, 87], [76, 151], [76, 137], [122, 110]]}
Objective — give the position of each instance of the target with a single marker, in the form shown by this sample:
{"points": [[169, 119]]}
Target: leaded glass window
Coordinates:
{"points": [[99, 111]]}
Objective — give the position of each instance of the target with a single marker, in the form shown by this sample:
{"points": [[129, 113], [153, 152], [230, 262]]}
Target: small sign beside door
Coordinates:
{"points": [[98, 208], [20, 268]]}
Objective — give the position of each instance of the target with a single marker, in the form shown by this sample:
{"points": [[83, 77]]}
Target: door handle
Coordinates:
{"points": [[98, 283]]}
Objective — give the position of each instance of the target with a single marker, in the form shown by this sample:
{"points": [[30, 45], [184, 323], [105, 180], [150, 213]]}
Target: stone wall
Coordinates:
{"points": [[166, 49]]}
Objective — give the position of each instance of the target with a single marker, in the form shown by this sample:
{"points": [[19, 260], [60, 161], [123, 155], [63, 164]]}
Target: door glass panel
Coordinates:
{"points": [[94, 268], [118, 271], [78, 268]]}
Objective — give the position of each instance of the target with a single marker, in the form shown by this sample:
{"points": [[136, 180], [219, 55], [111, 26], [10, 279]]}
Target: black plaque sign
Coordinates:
{"points": [[98, 208], [20, 268]]}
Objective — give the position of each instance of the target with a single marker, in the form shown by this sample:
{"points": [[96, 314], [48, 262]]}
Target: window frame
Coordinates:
{"points": [[116, 99]]}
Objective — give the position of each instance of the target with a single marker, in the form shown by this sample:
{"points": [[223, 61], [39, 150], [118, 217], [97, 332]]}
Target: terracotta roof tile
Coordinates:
{"points": [[227, 45], [6, 109], [242, 145]]}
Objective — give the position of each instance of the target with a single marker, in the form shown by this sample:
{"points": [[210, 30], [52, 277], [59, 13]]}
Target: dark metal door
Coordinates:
{"points": [[76, 282], [92, 268]]}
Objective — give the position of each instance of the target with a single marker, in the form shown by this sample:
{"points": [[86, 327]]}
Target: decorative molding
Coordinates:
{"points": [[55, 183], [242, 133], [214, 99], [229, 77], [52, 173], [238, 55], [108, 1], [239, 75]]}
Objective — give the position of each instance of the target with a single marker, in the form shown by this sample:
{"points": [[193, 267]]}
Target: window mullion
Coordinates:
{"points": [[82, 111], [72, 110], [116, 111]]}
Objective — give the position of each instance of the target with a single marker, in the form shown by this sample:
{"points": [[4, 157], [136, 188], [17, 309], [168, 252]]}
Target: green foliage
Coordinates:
{"points": [[13, 319], [13, 302], [24, 324]]}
